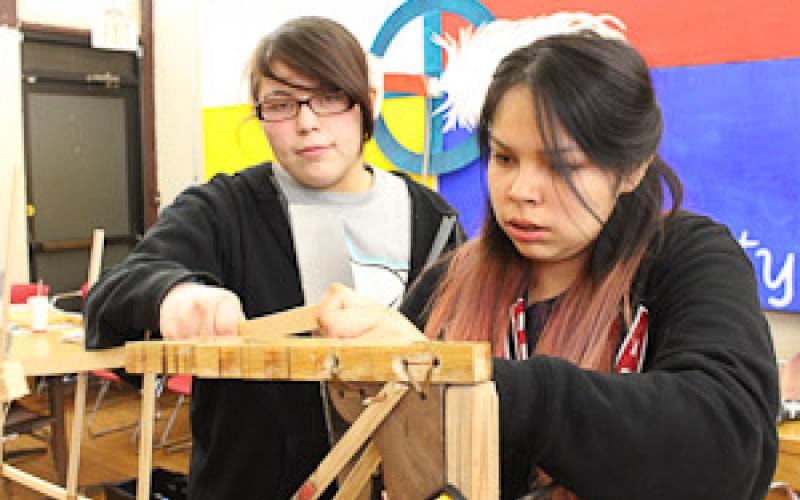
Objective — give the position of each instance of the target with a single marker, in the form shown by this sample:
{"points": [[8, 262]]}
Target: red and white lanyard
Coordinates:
{"points": [[517, 341], [630, 355]]}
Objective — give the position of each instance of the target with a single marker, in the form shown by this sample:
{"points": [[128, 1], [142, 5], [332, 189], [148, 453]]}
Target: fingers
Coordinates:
{"points": [[334, 298], [227, 316], [194, 310], [349, 322], [366, 320], [338, 296]]}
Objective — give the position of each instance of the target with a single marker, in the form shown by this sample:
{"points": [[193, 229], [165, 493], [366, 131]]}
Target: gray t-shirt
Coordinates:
{"points": [[375, 228]]}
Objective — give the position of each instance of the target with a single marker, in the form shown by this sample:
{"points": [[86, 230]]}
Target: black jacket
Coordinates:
{"points": [[251, 440], [697, 424]]}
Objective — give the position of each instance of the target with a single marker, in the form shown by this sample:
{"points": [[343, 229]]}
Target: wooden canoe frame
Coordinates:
{"points": [[461, 370]]}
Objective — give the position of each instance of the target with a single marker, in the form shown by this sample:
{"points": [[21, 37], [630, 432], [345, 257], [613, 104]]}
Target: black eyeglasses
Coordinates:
{"points": [[275, 109]]}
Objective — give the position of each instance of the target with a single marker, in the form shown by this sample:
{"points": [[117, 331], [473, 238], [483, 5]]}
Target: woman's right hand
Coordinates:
{"points": [[195, 310], [344, 313]]}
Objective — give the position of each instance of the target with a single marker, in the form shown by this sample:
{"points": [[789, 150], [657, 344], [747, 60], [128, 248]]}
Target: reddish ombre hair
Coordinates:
{"points": [[617, 124]]}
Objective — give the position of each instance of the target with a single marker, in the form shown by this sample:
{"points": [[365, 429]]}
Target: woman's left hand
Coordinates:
{"points": [[344, 313]]}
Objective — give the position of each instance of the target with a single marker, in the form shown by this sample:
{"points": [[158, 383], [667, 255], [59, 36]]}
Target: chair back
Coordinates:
{"points": [[180, 384], [20, 292]]}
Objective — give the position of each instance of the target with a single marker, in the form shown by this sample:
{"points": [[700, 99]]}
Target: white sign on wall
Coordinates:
{"points": [[115, 30]]}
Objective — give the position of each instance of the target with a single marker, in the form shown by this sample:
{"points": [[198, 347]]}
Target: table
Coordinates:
{"points": [[788, 469], [45, 354]]}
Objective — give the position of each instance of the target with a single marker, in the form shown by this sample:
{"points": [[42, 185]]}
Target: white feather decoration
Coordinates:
{"points": [[472, 59]]}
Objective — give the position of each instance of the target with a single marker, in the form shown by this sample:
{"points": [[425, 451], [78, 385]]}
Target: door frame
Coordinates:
{"points": [[79, 83]]}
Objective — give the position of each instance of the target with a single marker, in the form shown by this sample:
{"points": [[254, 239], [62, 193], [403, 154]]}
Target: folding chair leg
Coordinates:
{"points": [[90, 420], [162, 442]]}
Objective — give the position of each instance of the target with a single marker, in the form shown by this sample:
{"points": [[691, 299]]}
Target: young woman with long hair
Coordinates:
{"points": [[632, 359]]}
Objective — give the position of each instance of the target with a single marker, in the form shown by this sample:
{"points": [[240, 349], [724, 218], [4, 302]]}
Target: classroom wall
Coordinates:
{"points": [[785, 333], [179, 114], [179, 154], [734, 48], [12, 219]]}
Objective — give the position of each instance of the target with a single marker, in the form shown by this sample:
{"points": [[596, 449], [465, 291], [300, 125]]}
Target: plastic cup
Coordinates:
{"points": [[39, 306]]}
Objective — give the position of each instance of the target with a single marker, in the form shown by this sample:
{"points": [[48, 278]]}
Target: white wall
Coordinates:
{"points": [[178, 114], [12, 159], [70, 14], [785, 333]]}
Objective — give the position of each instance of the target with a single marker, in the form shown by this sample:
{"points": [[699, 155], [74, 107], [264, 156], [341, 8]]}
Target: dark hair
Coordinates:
{"points": [[322, 50], [599, 91]]}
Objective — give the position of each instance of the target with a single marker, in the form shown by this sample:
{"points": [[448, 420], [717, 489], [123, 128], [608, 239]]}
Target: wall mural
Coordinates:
{"points": [[727, 76]]}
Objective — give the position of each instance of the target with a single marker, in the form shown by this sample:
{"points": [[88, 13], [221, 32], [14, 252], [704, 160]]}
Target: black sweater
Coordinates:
{"points": [[697, 424], [251, 440]]}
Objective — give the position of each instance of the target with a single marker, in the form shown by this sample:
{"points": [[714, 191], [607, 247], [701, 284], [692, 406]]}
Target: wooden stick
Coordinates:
{"points": [[13, 201], [73, 464], [13, 384], [146, 436], [38, 484], [316, 358], [77, 433], [361, 473], [352, 440], [5, 290], [472, 440], [282, 324], [95, 256]]}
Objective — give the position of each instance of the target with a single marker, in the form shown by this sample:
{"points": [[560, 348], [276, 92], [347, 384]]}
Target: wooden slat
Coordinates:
{"points": [[318, 359], [154, 357], [146, 436], [282, 324], [37, 484], [77, 433], [13, 384], [265, 362], [134, 358], [358, 479], [179, 357], [230, 361], [472, 441], [206, 360], [46, 354], [351, 442], [95, 257]]}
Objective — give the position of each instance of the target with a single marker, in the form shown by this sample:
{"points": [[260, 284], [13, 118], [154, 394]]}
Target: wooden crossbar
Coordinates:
{"points": [[462, 370], [306, 359]]}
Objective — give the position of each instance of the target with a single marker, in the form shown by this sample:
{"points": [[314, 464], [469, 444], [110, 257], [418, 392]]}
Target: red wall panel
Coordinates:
{"points": [[682, 32]]}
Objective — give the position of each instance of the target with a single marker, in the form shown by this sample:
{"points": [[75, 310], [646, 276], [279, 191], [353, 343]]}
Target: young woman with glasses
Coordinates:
{"points": [[224, 251]]}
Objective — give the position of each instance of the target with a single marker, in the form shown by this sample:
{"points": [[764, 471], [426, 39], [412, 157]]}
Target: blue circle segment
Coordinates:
{"points": [[467, 150]]}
